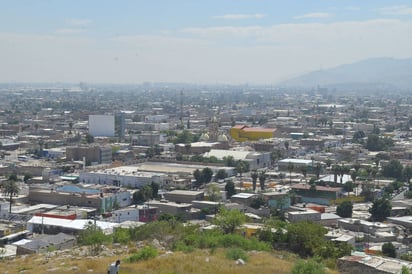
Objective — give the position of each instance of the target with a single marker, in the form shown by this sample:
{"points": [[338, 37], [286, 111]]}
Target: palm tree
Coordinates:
{"points": [[304, 171], [290, 169], [343, 170], [336, 171], [254, 176], [262, 179], [11, 188], [240, 168], [318, 168], [287, 148], [70, 127]]}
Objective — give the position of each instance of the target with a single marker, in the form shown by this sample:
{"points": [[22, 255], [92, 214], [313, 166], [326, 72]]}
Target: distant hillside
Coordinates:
{"points": [[371, 73]]}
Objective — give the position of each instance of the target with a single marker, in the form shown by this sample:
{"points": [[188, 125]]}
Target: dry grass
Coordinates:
{"points": [[199, 261]]}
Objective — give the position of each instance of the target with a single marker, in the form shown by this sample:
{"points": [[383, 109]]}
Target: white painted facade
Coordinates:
{"points": [[101, 125]]}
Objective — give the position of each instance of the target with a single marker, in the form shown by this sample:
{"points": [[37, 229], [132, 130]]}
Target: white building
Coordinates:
{"points": [[101, 125], [127, 176], [125, 214], [4, 210], [255, 159]]}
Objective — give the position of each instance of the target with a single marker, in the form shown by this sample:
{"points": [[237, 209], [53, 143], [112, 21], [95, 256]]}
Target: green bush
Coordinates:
{"points": [[214, 239], [236, 253], [121, 235], [145, 253], [308, 267]]}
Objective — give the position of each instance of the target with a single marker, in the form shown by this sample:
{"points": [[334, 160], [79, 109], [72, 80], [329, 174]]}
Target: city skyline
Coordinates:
{"points": [[257, 42]]}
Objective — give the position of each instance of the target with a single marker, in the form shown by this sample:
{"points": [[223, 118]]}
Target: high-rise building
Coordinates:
{"points": [[101, 125]]}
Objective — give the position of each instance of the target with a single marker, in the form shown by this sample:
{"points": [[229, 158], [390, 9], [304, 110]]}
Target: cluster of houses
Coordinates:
{"points": [[77, 166]]}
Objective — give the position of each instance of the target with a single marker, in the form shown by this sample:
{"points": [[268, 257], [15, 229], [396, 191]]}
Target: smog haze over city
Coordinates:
{"points": [[202, 42]]}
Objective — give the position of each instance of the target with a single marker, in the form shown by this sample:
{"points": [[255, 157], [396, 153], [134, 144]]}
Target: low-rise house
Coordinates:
{"points": [[243, 198], [340, 236], [45, 243], [38, 224], [322, 195], [141, 213], [103, 198], [278, 199], [184, 196], [305, 214], [254, 159], [171, 207], [126, 176], [360, 263]]}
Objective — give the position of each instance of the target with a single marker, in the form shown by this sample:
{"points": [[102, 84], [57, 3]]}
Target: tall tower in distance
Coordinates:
{"points": [[181, 109], [213, 129]]}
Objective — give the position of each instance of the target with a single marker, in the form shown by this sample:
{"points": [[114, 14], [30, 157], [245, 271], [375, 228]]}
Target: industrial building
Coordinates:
{"points": [[254, 159], [102, 198], [92, 154], [127, 176]]}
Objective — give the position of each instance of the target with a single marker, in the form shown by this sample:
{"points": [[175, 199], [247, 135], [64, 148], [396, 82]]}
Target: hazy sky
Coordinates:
{"points": [[203, 41]]}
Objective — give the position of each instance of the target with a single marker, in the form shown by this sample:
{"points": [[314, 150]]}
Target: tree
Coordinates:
{"points": [[89, 139], [348, 186], [262, 180], [305, 238], [287, 148], [197, 174], [138, 197], [304, 171], [407, 173], [310, 266], [393, 169], [230, 189], [381, 208], [254, 176], [13, 177], [207, 175], [376, 143], [358, 136], [343, 170], [10, 188], [336, 172], [229, 220], [221, 174], [275, 155], [353, 176], [367, 192], [70, 127], [318, 168], [290, 169], [405, 270], [389, 250], [142, 195], [241, 167], [27, 177], [147, 192], [155, 190], [184, 137], [229, 161], [257, 203], [213, 192], [93, 236], [344, 210]]}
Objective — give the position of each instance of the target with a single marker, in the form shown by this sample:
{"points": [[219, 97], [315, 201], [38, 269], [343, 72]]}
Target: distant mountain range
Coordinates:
{"points": [[379, 73]]}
